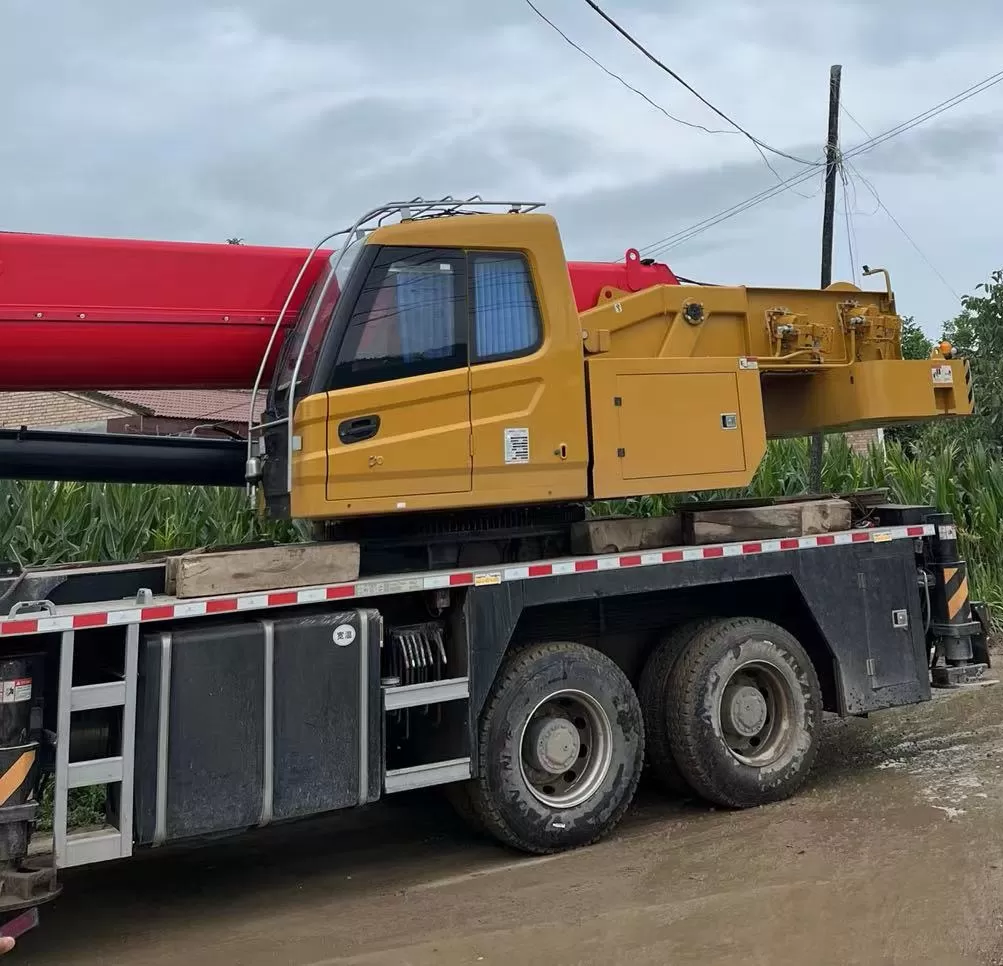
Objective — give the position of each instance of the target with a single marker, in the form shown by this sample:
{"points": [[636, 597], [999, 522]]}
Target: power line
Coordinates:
{"points": [[919, 251], [850, 233], [766, 195], [863, 130], [853, 183], [617, 77], [668, 70], [991, 81], [685, 234], [877, 200]]}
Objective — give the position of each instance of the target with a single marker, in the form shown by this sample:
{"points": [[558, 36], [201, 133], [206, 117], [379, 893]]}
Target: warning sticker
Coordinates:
{"points": [[15, 691], [943, 376], [516, 446]]}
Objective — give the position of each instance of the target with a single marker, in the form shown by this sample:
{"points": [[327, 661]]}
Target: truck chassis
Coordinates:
{"points": [[535, 691]]}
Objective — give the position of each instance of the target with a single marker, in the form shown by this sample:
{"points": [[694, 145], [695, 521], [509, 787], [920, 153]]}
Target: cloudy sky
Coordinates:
{"points": [[278, 120]]}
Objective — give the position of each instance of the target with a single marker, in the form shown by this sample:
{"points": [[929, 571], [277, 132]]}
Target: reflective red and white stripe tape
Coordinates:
{"points": [[117, 613]]}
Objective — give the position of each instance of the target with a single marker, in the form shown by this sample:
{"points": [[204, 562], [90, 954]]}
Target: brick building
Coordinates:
{"points": [[861, 440]]}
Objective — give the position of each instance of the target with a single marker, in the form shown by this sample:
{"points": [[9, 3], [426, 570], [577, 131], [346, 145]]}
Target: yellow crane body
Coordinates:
{"points": [[669, 389]]}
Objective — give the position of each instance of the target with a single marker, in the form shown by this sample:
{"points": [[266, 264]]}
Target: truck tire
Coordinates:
{"points": [[653, 693], [458, 796], [561, 745], [744, 710]]}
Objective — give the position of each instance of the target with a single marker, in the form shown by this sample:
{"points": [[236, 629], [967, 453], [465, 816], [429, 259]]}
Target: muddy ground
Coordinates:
{"points": [[893, 854]]}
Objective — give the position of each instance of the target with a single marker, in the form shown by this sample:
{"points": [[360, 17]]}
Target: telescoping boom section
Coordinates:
{"points": [[456, 369]]}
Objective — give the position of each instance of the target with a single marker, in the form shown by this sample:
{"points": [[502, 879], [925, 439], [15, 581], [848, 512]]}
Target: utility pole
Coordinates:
{"points": [[828, 219]]}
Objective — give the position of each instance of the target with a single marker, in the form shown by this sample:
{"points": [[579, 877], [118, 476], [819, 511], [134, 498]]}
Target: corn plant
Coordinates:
{"points": [[45, 523], [936, 472]]}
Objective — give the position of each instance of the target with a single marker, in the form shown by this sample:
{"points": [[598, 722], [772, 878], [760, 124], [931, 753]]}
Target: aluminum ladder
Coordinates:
{"points": [[109, 841]]}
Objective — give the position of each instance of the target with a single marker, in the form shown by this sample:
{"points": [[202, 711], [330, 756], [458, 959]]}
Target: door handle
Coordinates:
{"points": [[358, 429]]}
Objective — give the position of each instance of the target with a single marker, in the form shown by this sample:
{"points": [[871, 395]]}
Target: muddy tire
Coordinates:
{"points": [[744, 712], [653, 693], [561, 745]]}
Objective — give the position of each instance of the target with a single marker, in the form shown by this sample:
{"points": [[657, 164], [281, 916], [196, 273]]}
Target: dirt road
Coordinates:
{"points": [[893, 854]]}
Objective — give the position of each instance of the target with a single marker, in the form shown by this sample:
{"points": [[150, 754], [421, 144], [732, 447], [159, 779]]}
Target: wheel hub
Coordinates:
{"points": [[553, 745], [566, 748], [746, 711], [757, 713]]}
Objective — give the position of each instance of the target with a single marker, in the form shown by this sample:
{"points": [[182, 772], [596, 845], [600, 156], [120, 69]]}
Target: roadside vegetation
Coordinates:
{"points": [[46, 523]]}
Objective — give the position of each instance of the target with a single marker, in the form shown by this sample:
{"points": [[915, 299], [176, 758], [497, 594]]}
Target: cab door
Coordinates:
{"points": [[398, 423], [527, 379]]}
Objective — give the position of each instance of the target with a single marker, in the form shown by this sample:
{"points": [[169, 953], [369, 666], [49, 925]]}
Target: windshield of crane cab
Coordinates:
{"points": [[324, 288]]}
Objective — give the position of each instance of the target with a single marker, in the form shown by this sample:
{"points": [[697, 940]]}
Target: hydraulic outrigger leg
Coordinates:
{"points": [[958, 626]]}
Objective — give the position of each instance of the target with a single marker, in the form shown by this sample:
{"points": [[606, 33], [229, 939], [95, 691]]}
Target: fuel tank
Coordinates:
{"points": [[80, 313]]}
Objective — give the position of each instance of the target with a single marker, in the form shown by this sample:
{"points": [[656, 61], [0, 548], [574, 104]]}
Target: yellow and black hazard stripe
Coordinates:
{"points": [[969, 387], [16, 777], [956, 594]]}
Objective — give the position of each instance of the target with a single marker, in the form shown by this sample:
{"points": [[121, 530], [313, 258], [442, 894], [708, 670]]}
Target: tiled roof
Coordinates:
{"points": [[49, 409], [38, 410], [222, 405]]}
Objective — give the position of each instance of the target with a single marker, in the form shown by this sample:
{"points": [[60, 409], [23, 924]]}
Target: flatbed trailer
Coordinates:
{"points": [[534, 691]]}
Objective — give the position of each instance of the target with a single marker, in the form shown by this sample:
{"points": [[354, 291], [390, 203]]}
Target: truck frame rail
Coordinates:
{"points": [[41, 617]]}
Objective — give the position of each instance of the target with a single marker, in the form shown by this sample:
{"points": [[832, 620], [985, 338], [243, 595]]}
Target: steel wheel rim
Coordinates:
{"points": [[756, 713], [565, 748]]}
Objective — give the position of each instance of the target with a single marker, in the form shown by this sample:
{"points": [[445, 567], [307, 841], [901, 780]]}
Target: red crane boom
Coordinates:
{"points": [[82, 313]]}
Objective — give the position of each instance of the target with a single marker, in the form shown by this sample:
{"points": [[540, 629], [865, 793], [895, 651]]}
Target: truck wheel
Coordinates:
{"points": [[653, 693], [561, 744], [744, 709]]}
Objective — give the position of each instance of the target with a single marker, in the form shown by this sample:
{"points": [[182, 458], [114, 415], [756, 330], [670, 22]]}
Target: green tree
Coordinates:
{"points": [[977, 333], [915, 344]]}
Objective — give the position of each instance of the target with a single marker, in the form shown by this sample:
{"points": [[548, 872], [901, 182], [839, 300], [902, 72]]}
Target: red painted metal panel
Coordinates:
{"points": [[105, 313], [96, 313], [589, 279]]}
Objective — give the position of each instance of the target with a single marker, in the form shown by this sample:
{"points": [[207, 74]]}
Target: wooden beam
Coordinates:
{"points": [[619, 534], [206, 574], [765, 522]]}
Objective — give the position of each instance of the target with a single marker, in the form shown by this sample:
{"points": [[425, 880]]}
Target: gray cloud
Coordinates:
{"points": [[950, 147], [278, 120]]}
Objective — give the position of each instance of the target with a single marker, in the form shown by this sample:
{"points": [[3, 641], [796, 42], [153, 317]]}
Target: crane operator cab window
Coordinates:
{"points": [[422, 312], [408, 319], [506, 318]]}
